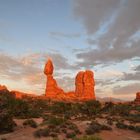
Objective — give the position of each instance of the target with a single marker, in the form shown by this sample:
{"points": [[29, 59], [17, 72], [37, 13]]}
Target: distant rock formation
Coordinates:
{"points": [[84, 87], [137, 100], [3, 87], [84, 83], [52, 88], [20, 95]]}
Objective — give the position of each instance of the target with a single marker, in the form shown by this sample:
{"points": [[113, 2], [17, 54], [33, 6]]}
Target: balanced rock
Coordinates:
{"points": [[84, 86], [52, 89]]}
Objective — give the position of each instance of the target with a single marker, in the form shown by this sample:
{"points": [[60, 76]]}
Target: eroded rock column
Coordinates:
{"points": [[51, 86], [84, 85]]}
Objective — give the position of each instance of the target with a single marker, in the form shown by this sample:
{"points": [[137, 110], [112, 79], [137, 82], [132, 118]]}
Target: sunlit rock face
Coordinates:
{"points": [[3, 87], [52, 89], [79, 84], [137, 100], [84, 86]]}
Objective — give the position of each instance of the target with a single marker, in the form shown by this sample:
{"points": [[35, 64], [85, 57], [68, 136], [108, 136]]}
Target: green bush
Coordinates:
{"points": [[42, 132], [70, 135], [6, 122], [137, 129], [90, 108], [133, 118], [121, 125], [120, 109], [95, 127], [110, 121], [55, 120], [30, 122]]}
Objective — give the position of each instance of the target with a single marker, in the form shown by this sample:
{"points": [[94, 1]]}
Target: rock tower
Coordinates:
{"points": [[51, 86]]}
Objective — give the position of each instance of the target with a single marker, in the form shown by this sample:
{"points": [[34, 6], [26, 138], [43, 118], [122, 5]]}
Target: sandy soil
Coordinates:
{"points": [[26, 133]]}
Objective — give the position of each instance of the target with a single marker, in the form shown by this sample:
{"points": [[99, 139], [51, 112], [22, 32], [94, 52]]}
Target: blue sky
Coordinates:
{"points": [[103, 36]]}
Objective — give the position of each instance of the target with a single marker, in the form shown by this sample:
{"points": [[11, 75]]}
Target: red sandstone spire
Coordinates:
{"points": [[51, 87], [84, 83], [48, 70]]}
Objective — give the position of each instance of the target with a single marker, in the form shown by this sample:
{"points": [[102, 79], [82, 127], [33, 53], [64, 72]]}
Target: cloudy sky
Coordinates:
{"points": [[101, 35]]}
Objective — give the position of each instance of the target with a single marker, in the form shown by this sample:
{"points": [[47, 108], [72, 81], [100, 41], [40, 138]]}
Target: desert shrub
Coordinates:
{"points": [[120, 109], [73, 127], [19, 108], [64, 130], [90, 108], [52, 134], [88, 138], [70, 135], [121, 125], [30, 122], [26, 107], [131, 127], [137, 108], [105, 127], [95, 127], [37, 106], [137, 129], [110, 121], [133, 118], [107, 106], [5, 100], [60, 107], [6, 122], [56, 120], [45, 132], [42, 132]]}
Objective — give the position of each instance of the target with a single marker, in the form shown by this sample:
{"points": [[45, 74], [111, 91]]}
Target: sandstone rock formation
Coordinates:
{"points": [[137, 100], [79, 84], [85, 85], [52, 89], [3, 87]]}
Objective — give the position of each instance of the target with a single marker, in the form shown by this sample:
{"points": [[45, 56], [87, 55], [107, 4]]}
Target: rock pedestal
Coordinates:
{"points": [[51, 86]]}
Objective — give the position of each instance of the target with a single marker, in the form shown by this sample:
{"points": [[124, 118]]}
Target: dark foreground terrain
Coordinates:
{"points": [[32, 118]]}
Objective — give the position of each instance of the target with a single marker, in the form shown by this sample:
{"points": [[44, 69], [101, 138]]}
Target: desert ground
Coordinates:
{"points": [[32, 118]]}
